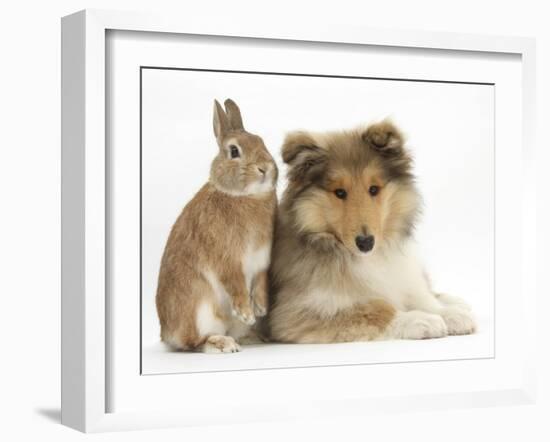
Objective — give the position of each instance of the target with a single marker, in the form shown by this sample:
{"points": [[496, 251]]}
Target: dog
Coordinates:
{"points": [[344, 265]]}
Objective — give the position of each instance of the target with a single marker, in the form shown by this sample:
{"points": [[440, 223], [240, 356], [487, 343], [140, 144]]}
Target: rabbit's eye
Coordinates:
{"points": [[234, 151]]}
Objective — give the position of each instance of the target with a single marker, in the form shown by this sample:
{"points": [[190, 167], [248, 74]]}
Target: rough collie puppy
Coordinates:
{"points": [[344, 266]]}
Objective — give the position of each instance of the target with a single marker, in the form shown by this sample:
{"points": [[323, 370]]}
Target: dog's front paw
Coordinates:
{"points": [[459, 320], [418, 325]]}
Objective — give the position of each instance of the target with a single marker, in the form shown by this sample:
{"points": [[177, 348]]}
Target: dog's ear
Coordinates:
{"points": [[388, 141], [385, 138], [305, 158]]}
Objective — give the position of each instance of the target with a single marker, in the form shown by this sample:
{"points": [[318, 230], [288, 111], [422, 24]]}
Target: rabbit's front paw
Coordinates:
{"points": [[260, 309], [259, 295], [260, 303], [243, 312]]}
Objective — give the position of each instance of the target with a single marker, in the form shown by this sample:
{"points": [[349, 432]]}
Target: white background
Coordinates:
{"points": [[450, 128], [29, 183]]}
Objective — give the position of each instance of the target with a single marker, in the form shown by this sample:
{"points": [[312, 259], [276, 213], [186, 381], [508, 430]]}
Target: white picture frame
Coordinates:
{"points": [[86, 354]]}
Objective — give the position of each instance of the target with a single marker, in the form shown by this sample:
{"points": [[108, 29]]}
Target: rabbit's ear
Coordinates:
{"points": [[234, 115], [221, 123]]}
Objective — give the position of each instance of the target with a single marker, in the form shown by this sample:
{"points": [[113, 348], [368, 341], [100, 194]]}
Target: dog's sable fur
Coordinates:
{"points": [[323, 287]]}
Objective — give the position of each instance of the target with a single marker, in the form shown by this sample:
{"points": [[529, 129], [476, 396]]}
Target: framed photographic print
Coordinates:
{"points": [[262, 222]]}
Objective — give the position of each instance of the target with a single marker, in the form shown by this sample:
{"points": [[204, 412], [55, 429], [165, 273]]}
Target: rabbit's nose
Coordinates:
{"points": [[262, 170]]}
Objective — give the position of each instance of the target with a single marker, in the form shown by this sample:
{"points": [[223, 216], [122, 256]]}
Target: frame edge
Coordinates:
{"points": [[73, 81], [83, 373]]}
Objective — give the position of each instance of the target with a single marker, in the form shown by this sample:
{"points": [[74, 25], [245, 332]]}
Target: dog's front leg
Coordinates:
{"points": [[364, 322], [456, 313]]}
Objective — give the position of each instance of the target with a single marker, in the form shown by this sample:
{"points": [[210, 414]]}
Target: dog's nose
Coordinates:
{"points": [[364, 243]]}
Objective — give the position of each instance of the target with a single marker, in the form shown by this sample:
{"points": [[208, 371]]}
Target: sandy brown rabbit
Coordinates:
{"points": [[213, 277]]}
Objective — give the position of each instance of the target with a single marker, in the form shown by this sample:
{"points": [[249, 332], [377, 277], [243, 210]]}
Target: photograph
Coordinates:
{"points": [[293, 220]]}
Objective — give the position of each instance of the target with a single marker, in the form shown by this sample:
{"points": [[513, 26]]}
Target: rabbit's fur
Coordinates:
{"points": [[213, 277]]}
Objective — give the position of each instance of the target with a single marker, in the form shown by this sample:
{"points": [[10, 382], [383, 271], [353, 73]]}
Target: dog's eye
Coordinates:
{"points": [[373, 190], [341, 193], [234, 151]]}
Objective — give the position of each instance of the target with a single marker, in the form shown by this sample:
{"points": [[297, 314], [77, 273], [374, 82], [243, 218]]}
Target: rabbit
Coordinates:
{"points": [[212, 281]]}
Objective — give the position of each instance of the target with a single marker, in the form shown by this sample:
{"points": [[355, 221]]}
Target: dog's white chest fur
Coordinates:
{"points": [[255, 260], [395, 274]]}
